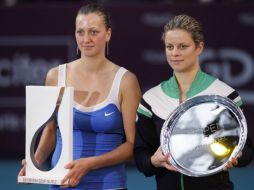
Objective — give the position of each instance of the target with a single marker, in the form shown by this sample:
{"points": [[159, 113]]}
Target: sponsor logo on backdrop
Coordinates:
{"points": [[31, 66], [246, 18], [12, 122], [233, 66], [154, 57], [25, 60], [22, 69], [155, 19], [220, 63]]}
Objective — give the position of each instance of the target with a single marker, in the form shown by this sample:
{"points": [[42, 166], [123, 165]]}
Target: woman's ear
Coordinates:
{"points": [[108, 37], [200, 47]]}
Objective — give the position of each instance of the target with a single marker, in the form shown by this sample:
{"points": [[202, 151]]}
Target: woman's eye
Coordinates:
{"points": [[94, 32], [80, 32], [183, 46], [169, 47]]}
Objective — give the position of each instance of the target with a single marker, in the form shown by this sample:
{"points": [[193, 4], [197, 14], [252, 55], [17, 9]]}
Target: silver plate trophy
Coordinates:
{"points": [[42, 105], [203, 134]]}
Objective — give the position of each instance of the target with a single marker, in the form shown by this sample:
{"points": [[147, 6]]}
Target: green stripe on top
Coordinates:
{"points": [[170, 88], [145, 113], [239, 103], [200, 83], [182, 182]]}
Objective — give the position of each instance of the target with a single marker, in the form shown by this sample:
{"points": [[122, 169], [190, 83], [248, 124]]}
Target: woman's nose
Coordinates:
{"points": [[175, 51], [86, 37]]}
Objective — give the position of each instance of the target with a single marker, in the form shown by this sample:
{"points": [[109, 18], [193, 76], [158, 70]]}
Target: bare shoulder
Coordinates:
{"points": [[129, 77], [52, 75], [130, 82]]}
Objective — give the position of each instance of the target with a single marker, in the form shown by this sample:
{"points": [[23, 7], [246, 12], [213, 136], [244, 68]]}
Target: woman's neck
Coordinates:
{"points": [[92, 65], [184, 81]]}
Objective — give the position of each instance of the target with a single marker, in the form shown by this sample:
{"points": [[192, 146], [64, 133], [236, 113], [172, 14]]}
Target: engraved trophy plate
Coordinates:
{"points": [[42, 104], [203, 134]]}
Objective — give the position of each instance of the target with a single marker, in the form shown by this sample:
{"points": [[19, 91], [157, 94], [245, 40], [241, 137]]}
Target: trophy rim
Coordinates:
{"points": [[172, 119]]}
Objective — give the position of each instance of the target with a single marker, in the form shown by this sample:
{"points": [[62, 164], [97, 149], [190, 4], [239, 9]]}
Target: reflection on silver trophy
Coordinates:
{"points": [[203, 134]]}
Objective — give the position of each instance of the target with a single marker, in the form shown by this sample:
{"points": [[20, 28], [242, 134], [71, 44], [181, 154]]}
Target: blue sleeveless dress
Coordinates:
{"points": [[96, 131]]}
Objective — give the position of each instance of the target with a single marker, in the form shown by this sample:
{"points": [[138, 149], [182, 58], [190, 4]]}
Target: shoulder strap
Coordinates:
{"points": [[114, 92], [61, 75]]}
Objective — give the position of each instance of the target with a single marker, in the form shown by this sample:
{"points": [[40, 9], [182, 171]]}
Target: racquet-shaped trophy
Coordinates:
{"points": [[44, 103], [203, 134]]}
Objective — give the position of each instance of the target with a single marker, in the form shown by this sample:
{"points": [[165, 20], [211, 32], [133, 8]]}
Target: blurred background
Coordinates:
{"points": [[36, 35]]}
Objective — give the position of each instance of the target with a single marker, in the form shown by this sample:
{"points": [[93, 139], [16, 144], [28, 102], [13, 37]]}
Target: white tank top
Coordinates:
{"points": [[113, 93]]}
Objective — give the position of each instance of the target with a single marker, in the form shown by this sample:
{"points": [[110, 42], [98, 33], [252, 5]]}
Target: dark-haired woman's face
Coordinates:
{"points": [[181, 51], [91, 34]]}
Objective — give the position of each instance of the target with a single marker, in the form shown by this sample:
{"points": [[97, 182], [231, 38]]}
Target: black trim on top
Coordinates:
{"points": [[233, 95], [145, 104]]}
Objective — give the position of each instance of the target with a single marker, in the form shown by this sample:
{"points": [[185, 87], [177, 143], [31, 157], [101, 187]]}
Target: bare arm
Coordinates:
{"points": [[130, 97]]}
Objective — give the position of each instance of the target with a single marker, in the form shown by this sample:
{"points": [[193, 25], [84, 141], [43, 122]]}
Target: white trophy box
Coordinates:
{"points": [[42, 104]]}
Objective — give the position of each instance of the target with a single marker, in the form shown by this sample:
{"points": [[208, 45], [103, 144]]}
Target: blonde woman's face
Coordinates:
{"points": [[181, 51], [91, 34]]}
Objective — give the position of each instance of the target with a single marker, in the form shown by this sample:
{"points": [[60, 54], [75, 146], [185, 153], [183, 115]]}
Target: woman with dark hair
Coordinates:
{"points": [[106, 98], [184, 42]]}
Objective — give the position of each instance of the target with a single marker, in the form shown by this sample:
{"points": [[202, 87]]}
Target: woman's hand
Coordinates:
{"points": [[77, 169], [23, 169], [233, 162], [22, 172], [161, 160]]}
